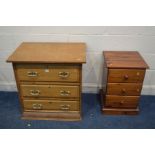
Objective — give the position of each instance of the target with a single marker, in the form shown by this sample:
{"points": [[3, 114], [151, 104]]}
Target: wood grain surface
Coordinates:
{"points": [[121, 101], [48, 72], [59, 91], [126, 75], [124, 59], [124, 89], [44, 52], [124, 72], [50, 105]]}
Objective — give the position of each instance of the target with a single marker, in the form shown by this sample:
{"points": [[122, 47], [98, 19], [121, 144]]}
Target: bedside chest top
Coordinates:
{"points": [[124, 59], [41, 52]]}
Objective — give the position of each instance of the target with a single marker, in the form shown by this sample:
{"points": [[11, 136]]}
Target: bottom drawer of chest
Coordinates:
{"points": [[121, 101], [51, 105]]}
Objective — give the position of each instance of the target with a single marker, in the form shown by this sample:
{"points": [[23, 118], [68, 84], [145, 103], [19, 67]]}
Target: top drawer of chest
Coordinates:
{"points": [[48, 72], [126, 75]]}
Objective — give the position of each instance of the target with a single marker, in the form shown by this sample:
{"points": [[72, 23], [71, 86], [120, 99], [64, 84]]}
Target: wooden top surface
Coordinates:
{"points": [[124, 59], [33, 52]]}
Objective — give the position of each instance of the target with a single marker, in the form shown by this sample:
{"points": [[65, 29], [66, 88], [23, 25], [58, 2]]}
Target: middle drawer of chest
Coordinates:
{"points": [[129, 89], [49, 91]]}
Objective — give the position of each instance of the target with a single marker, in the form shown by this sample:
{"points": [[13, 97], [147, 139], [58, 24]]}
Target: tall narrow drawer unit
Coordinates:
{"points": [[123, 75], [48, 77]]}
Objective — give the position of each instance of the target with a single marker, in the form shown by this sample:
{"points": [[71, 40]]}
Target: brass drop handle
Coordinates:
{"points": [[34, 92], [65, 107], [32, 74], [64, 74], [37, 106], [126, 77], [64, 93]]}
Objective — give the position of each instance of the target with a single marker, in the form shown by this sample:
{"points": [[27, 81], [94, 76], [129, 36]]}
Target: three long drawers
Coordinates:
{"points": [[50, 88]]}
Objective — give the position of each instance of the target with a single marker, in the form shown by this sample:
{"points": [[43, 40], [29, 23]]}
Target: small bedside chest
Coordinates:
{"points": [[48, 77], [123, 77]]}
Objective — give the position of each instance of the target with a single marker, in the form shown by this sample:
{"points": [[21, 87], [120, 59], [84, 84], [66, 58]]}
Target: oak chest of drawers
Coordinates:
{"points": [[48, 77], [123, 75]]}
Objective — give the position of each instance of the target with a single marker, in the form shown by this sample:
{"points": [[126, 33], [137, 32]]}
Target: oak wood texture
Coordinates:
{"points": [[62, 116], [60, 91], [124, 72], [49, 80], [42, 72], [53, 105], [46, 52]]}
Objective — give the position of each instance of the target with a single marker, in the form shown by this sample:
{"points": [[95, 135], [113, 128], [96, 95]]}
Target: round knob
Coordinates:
{"points": [[123, 91], [126, 77], [137, 90], [138, 74], [122, 102]]}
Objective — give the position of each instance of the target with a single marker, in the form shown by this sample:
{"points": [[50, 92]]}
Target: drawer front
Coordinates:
{"points": [[126, 75], [130, 89], [121, 101], [49, 91], [48, 73], [51, 105], [67, 73]]}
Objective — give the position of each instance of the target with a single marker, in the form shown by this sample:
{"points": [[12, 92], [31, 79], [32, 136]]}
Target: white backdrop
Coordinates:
{"points": [[98, 39]]}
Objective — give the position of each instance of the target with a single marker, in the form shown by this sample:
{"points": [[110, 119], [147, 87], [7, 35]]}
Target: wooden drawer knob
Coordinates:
{"points": [[126, 77], [123, 91], [138, 74], [138, 90], [122, 102]]}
